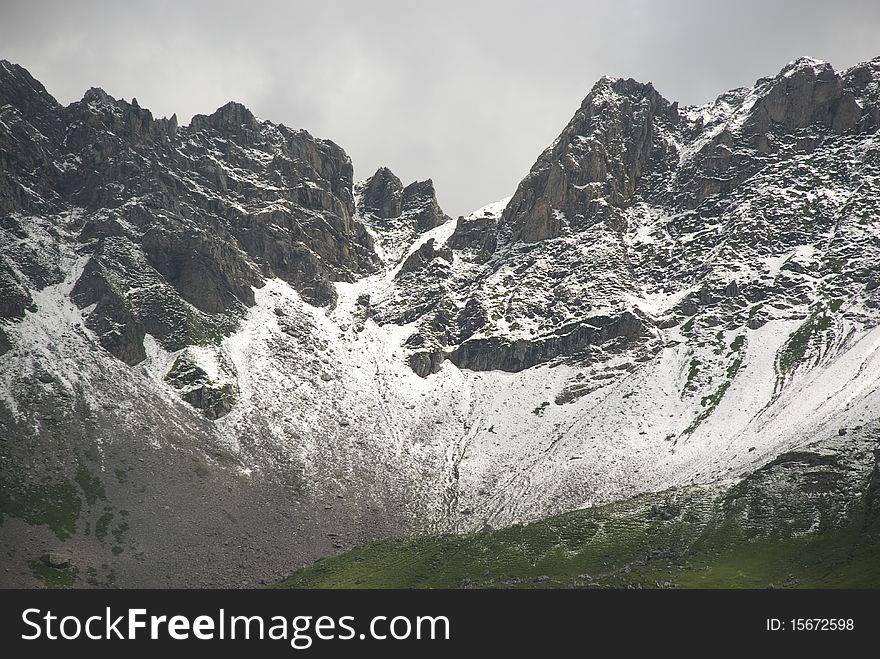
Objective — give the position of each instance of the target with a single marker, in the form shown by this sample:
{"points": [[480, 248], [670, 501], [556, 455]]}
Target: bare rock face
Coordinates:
{"points": [[15, 298], [233, 118], [180, 223], [28, 97], [476, 234], [599, 158], [119, 330], [805, 92], [396, 213], [382, 195], [213, 396], [496, 353], [423, 256], [420, 206]]}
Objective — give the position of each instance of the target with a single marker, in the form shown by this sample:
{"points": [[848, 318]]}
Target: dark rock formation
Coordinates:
{"points": [[478, 234], [601, 154], [382, 195], [181, 223], [499, 353], [213, 399], [386, 204], [420, 206], [423, 256], [15, 298]]}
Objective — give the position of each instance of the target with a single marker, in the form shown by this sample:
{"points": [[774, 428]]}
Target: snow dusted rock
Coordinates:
{"points": [[205, 380], [420, 206], [423, 257], [638, 202], [600, 155], [397, 215], [209, 210], [381, 195]]}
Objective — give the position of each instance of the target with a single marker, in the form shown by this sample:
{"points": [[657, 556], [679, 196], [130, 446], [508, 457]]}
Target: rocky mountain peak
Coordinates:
{"points": [[232, 117], [19, 87], [420, 206], [97, 96], [609, 89], [600, 155], [23, 93], [176, 229], [805, 92], [381, 195], [397, 213]]}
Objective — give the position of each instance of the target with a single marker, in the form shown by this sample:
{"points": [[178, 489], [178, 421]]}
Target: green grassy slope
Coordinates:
{"points": [[807, 519]]}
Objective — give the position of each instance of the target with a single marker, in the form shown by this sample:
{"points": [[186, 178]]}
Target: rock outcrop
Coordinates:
{"points": [[639, 201], [396, 213], [598, 159], [181, 222], [382, 195]]}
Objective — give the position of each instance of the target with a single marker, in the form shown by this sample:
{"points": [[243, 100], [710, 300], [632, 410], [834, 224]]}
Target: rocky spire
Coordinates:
{"points": [[601, 153], [805, 92], [232, 117], [382, 196], [23, 92]]}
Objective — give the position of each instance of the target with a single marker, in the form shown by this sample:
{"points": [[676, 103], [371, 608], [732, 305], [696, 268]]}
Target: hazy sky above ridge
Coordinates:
{"points": [[465, 92]]}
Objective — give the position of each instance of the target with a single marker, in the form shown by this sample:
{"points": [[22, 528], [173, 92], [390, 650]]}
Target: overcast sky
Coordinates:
{"points": [[465, 92]]}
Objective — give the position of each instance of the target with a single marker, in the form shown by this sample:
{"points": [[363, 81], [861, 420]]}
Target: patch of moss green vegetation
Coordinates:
{"points": [[737, 344], [103, 525], [690, 538], [755, 309], [56, 504], [795, 349], [53, 577], [835, 304], [711, 401], [836, 264], [90, 484], [689, 325], [117, 550], [692, 373]]}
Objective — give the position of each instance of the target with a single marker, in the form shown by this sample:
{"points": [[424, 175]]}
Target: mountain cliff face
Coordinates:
{"points": [[641, 216], [219, 356]]}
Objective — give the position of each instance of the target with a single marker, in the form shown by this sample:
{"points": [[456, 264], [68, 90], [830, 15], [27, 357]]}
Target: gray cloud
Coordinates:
{"points": [[465, 92]]}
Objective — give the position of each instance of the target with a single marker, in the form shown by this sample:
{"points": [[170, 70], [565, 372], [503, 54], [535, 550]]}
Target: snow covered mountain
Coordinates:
{"points": [[220, 358]]}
